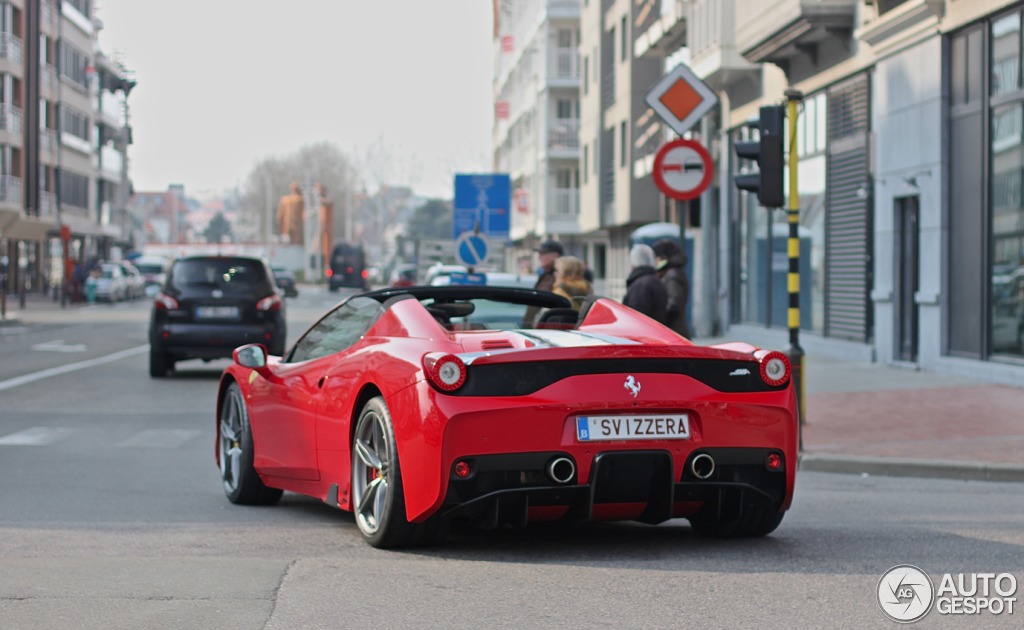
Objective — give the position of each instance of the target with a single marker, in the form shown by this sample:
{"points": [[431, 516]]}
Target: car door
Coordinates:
{"points": [[287, 413]]}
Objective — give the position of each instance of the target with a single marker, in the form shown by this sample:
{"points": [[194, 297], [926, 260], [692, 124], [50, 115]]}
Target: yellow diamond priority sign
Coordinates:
{"points": [[681, 99]]}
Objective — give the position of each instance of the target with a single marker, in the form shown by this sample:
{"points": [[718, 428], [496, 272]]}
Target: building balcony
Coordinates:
{"points": [[11, 48], [564, 9], [48, 78], [47, 203], [775, 31], [111, 162], [10, 190], [110, 108], [713, 54], [564, 203], [667, 32], [48, 141], [10, 118], [564, 135], [895, 20], [564, 66]]}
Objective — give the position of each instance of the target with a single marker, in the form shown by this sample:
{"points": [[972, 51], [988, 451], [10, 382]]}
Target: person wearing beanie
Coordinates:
{"points": [[644, 291], [670, 264]]}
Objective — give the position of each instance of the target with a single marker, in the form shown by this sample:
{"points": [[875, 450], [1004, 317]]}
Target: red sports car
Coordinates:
{"points": [[415, 407]]}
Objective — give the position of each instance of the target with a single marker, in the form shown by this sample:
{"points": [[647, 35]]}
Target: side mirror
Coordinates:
{"points": [[252, 356]]}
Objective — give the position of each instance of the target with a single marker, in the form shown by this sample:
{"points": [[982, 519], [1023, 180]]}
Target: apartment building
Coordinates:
{"points": [[618, 131], [63, 141], [536, 135], [910, 145]]}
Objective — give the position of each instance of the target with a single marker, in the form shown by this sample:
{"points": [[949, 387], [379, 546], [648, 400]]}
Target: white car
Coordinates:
{"points": [[154, 272], [111, 283]]}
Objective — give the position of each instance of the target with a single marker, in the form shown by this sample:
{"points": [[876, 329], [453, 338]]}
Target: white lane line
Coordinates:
{"points": [[71, 367], [159, 438], [36, 436]]}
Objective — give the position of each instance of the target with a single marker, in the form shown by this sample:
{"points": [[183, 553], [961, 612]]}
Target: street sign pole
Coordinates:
{"points": [[796, 353]]}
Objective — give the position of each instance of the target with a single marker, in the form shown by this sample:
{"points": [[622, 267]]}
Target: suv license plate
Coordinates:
{"points": [[645, 427], [216, 312]]}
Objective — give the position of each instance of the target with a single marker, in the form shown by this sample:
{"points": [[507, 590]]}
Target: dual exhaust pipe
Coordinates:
{"points": [[561, 470]]}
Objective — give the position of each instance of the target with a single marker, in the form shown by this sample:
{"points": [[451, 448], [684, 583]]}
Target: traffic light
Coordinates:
{"points": [[766, 182]]}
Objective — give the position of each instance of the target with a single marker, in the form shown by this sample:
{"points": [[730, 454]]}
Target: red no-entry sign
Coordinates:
{"points": [[683, 169]]}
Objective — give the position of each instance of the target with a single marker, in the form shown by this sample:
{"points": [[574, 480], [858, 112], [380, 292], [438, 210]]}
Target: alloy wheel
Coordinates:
{"points": [[370, 472]]}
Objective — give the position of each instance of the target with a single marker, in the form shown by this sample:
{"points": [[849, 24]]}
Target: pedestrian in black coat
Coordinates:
{"points": [[644, 291], [671, 263]]}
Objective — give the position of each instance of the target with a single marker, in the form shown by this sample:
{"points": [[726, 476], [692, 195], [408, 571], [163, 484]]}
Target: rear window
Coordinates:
{"points": [[223, 273], [150, 268]]}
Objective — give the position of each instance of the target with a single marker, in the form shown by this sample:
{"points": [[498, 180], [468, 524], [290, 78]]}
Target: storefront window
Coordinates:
{"points": [[1007, 273]]}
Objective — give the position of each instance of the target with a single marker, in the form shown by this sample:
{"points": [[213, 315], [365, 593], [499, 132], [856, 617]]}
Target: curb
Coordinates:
{"points": [[898, 467]]}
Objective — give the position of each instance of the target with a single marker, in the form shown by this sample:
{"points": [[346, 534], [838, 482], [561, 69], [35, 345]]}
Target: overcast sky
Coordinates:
{"points": [[223, 83]]}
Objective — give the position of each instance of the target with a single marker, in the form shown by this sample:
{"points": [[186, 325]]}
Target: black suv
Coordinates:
{"points": [[209, 306]]}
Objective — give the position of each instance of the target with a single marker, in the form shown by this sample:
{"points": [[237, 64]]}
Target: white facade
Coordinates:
{"points": [[537, 115]]}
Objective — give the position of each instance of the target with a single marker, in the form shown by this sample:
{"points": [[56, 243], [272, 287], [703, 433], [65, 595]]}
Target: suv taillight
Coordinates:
{"points": [[269, 303], [164, 302]]}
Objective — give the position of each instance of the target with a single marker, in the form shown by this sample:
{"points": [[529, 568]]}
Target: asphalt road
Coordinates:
{"points": [[112, 516]]}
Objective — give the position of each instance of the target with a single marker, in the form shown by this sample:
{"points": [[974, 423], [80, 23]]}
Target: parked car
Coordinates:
{"points": [[111, 283], [134, 280], [285, 281], [209, 306], [403, 276], [608, 416], [154, 272]]}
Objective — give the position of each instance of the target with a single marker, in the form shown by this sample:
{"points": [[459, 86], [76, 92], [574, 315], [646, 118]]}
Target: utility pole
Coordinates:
{"points": [[796, 353]]}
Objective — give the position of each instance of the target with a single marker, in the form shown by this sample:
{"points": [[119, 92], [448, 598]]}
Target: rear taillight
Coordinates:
{"points": [[446, 372], [164, 302], [330, 272], [366, 274], [269, 303], [775, 369]]}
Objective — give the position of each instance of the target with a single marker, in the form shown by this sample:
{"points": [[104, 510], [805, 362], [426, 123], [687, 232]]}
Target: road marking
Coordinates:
{"points": [[58, 345], [71, 367], [159, 438], [36, 436]]}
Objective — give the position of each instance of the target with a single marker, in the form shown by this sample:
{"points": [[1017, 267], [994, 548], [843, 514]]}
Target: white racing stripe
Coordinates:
{"points": [[71, 367]]}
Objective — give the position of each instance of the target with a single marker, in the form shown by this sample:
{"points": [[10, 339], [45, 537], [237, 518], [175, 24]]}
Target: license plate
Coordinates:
{"points": [[217, 312], [646, 427]]}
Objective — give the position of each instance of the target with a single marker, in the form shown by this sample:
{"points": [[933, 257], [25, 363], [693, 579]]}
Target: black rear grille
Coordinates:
{"points": [[521, 379]]}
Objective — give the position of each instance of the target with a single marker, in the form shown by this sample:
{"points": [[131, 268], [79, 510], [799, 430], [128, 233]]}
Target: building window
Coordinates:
{"points": [[611, 41], [623, 145], [74, 189], [1006, 150], [586, 162], [74, 122], [82, 6], [586, 75], [624, 33], [73, 64]]}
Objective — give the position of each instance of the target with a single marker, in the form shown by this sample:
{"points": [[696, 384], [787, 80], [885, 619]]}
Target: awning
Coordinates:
{"points": [[16, 226]]}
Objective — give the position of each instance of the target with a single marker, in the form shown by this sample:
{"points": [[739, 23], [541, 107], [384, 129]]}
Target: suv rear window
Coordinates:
{"points": [[222, 273]]}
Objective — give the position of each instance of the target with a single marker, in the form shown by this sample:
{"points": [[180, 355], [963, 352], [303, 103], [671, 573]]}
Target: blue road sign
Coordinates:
{"points": [[482, 204], [471, 249]]}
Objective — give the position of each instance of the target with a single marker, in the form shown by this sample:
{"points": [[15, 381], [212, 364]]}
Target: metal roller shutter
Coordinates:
{"points": [[848, 227]]}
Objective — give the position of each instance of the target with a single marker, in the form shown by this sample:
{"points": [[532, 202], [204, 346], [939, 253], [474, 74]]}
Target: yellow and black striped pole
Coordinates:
{"points": [[796, 353]]}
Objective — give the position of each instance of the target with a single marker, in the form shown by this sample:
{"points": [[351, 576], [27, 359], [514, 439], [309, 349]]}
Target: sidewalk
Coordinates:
{"points": [[860, 417]]}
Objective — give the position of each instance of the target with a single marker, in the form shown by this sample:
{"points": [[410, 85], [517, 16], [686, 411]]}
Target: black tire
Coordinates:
{"points": [[159, 364], [242, 484], [378, 501], [737, 518]]}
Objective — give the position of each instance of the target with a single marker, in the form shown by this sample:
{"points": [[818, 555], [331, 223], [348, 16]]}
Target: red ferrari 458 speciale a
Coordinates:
{"points": [[415, 407]]}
